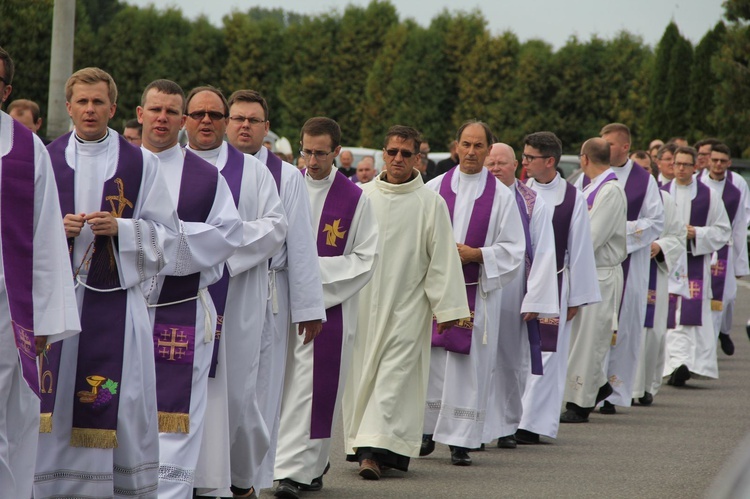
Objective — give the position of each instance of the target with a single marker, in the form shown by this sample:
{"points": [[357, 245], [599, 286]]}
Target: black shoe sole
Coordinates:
{"points": [[680, 376], [727, 345], [608, 409], [286, 492]]}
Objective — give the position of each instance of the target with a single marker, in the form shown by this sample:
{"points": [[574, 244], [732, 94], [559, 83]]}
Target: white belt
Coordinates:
{"points": [[272, 293], [208, 324]]}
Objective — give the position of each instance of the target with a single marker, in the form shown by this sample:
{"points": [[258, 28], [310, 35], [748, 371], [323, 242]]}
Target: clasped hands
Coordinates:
{"points": [[102, 223]]}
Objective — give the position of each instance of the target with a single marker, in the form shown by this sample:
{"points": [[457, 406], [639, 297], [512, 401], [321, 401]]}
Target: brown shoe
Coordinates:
{"points": [[369, 470]]}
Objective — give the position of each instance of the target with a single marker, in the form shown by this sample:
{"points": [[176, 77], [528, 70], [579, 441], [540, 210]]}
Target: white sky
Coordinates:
{"points": [[551, 20]]}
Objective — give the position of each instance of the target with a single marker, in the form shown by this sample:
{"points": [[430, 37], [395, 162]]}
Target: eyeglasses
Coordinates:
{"points": [[405, 153], [319, 155], [720, 161], [531, 157], [240, 120], [213, 115], [684, 165]]}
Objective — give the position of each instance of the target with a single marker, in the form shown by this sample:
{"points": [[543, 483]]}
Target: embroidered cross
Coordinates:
{"points": [[174, 344], [333, 232], [122, 201], [718, 268], [695, 289]]}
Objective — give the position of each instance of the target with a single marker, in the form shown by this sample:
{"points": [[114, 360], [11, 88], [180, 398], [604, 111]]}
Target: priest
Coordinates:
{"points": [[122, 229], [490, 238], [347, 240], [234, 443], [418, 277], [531, 295], [36, 296], [181, 307]]}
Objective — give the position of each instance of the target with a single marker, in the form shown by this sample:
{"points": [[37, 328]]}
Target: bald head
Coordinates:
{"points": [[502, 163], [595, 156]]}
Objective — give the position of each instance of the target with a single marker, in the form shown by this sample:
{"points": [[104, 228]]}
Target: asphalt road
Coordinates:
{"points": [[671, 449]]}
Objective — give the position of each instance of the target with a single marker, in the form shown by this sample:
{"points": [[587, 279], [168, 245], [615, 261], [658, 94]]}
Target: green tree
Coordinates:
{"points": [[656, 118], [676, 103], [703, 81]]}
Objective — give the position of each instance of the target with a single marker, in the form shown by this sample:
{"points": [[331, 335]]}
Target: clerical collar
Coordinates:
{"points": [[414, 174], [549, 185], [622, 165], [211, 155], [81, 141], [717, 180]]}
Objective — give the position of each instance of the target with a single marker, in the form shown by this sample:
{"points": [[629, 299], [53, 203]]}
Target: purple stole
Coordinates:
{"points": [[651, 296], [232, 173], [458, 338], [592, 195], [731, 198], [691, 308], [526, 199], [174, 324], [17, 230], [102, 340], [333, 233], [561, 220], [273, 163]]}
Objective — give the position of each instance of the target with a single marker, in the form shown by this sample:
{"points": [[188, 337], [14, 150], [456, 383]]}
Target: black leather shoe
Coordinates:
{"points": [[747, 329], [727, 345], [647, 399], [287, 489], [571, 416], [608, 408], [507, 442], [604, 391], [477, 449], [460, 457], [679, 376], [315, 485], [428, 446], [525, 437]]}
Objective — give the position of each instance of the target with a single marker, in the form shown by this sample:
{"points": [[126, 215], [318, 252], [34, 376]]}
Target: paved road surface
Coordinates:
{"points": [[672, 449]]}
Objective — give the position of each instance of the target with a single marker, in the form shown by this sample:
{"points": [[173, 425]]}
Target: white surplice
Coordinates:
{"points": [[737, 261], [145, 245], [237, 439], [592, 328], [295, 295], [543, 395], [458, 386], [695, 346], [299, 457], [672, 243], [55, 316], [623, 356], [204, 247], [534, 291], [419, 274]]}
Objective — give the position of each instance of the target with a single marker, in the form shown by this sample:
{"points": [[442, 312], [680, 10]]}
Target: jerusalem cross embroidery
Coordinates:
{"points": [[333, 232], [174, 344], [718, 268], [696, 289]]}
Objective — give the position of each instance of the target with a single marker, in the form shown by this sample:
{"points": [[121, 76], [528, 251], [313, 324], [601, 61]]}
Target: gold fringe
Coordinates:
{"points": [[717, 305], [93, 438], [614, 339], [174, 422], [45, 422]]}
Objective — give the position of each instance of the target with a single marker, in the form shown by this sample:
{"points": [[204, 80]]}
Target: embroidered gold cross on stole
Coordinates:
{"points": [[172, 343], [718, 268], [333, 232], [695, 289]]}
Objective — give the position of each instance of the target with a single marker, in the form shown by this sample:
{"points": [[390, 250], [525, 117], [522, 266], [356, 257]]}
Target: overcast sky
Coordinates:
{"points": [[551, 20]]}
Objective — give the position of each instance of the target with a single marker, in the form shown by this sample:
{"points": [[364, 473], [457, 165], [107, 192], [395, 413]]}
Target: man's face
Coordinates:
{"points": [[502, 164], [347, 159], [247, 126], [618, 147], [5, 89], [538, 166], [666, 165], [398, 166], [90, 109], [25, 117], [365, 171], [319, 155], [684, 166], [162, 119], [472, 149], [132, 136], [704, 155], [206, 123], [719, 165], [644, 162]]}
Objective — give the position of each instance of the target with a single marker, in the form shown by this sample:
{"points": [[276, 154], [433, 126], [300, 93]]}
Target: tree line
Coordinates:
{"points": [[367, 69]]}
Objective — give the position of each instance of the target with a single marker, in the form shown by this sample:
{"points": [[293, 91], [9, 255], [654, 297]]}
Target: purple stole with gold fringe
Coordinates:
{"points": [[458, 338], [526, 199], [334, 230], [232, 173], [174, 322], [561, 220], [102, 340], [731, 198], [17, 232]]}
